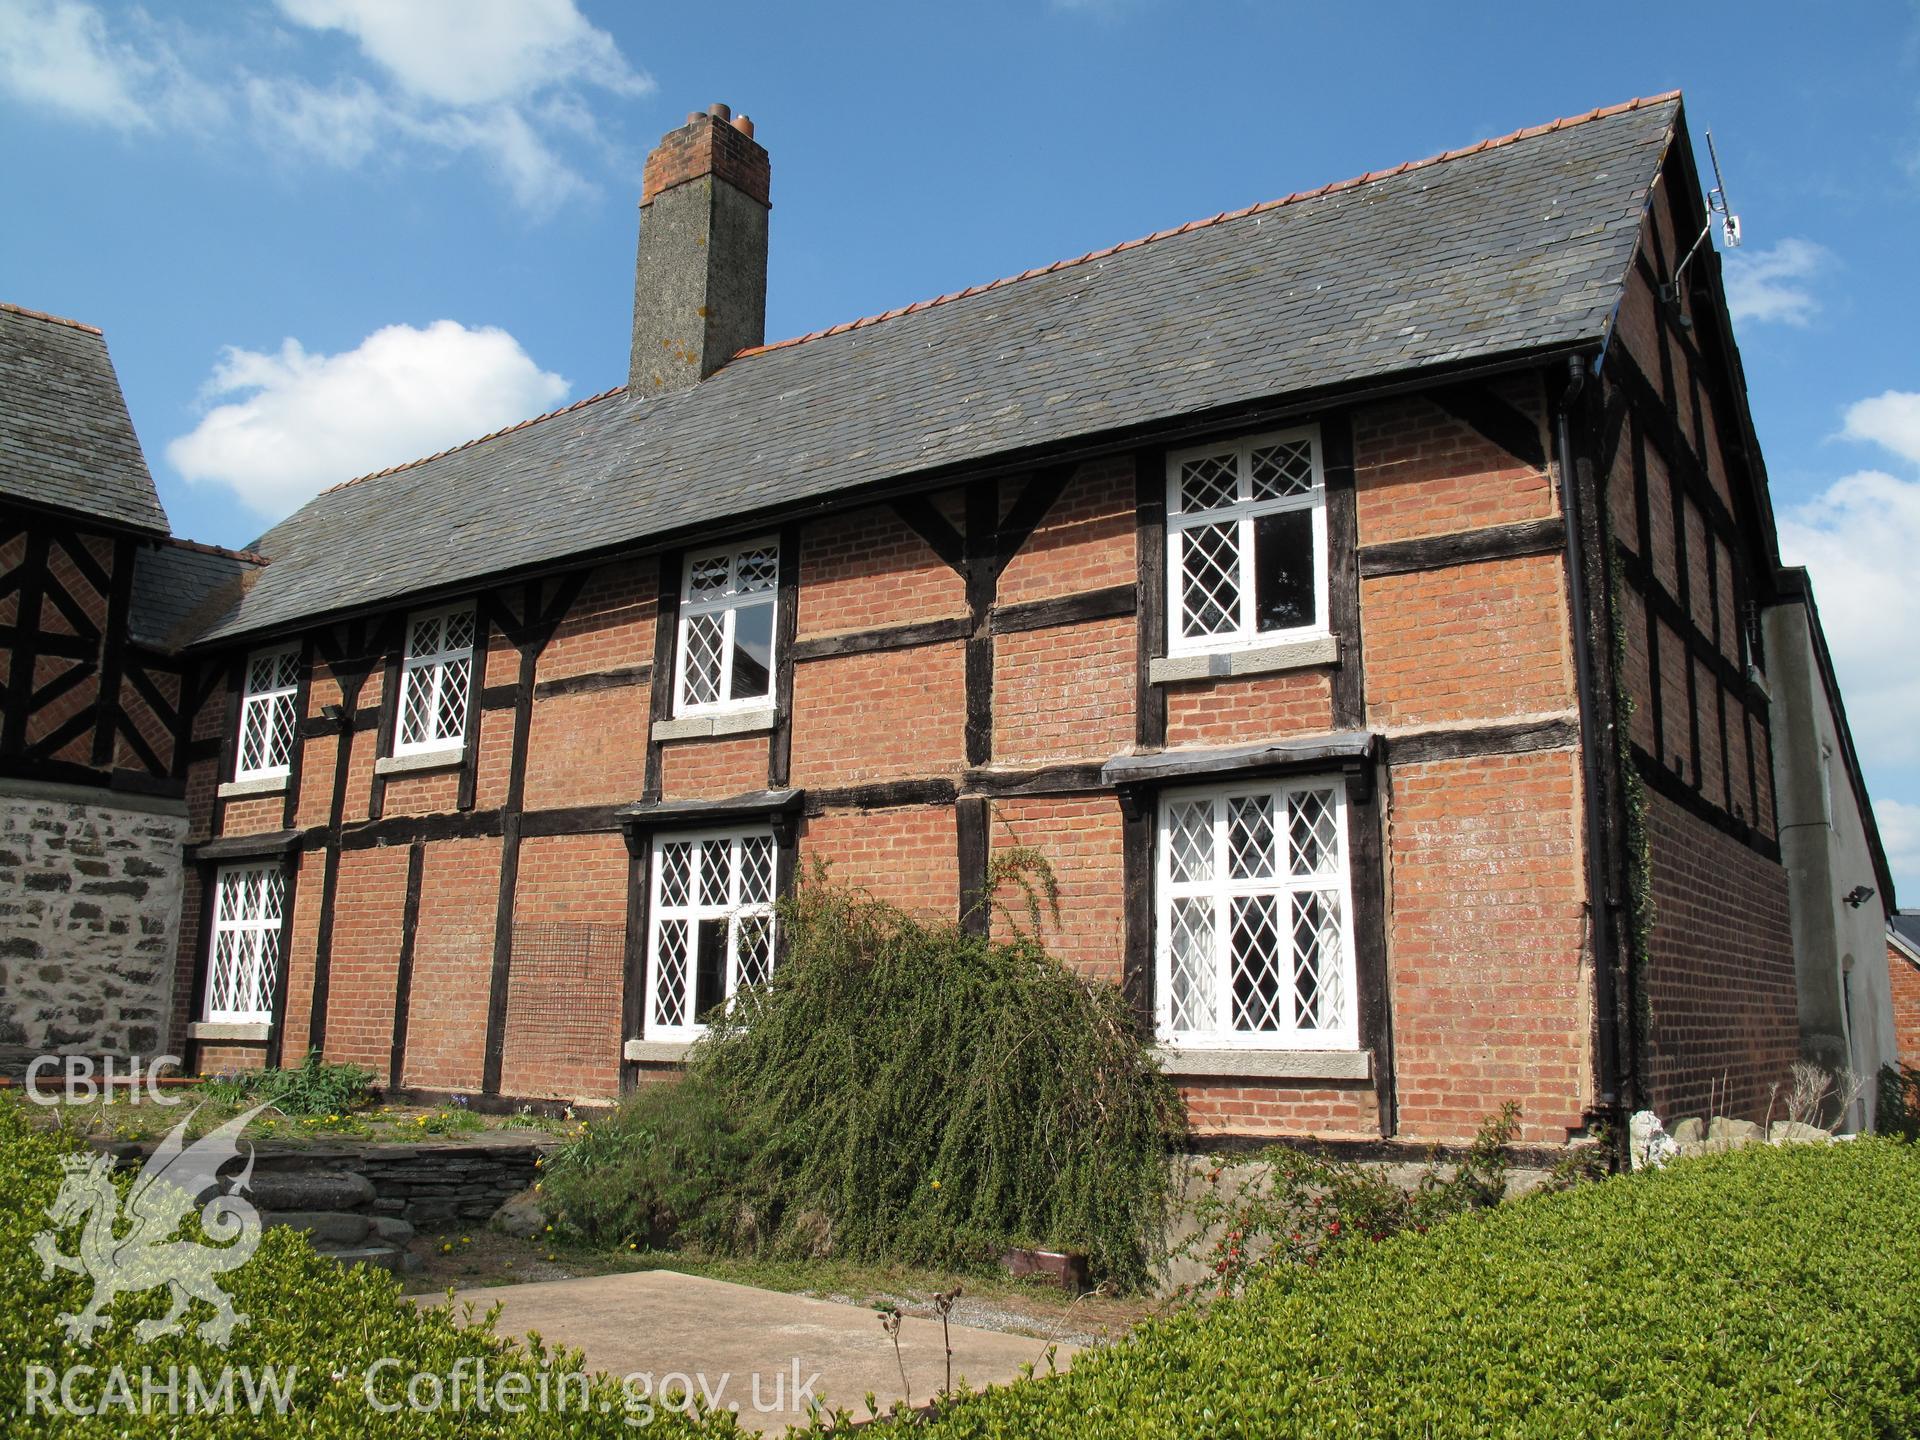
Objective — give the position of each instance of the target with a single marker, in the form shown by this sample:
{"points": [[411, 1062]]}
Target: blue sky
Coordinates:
{"points": [[324, 236]]}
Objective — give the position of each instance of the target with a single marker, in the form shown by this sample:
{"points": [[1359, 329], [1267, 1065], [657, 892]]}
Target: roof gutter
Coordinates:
{"points": [[1615, 1079]]}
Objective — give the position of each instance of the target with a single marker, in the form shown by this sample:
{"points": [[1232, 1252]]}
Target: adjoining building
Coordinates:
{"points": [[1359, 598], [1903, 981], [1840, 889], [93, 752]]}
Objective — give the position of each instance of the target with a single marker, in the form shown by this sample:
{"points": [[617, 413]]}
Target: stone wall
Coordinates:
{"points": [[427, 1185], [90, 886]]}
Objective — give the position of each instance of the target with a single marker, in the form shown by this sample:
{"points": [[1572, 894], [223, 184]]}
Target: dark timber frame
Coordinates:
{"points": [[57, 565], [351, 656], [543, 606], [980, 554]]}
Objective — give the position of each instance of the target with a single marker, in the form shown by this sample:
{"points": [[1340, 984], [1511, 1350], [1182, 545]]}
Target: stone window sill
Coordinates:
{"points": [[1265, 660], [656, 1052], [1267, 1064], [233, 1031], [727, 722], [417, 760], [253, 785]]}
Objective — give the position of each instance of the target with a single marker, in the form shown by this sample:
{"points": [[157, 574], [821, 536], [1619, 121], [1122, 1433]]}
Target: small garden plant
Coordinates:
{"points": [[313, 1087], [1899, 1107], [1293, 1205], [901, 1091]]}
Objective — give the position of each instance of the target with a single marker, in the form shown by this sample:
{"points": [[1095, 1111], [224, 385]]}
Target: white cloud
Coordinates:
{"points": [[503, 80], [341, 126], [1891, 420], [1899, 825], [60, 55], [477, 52], [353, 123], [1858, 539], [1773, 285], [297, 422], [481, 76]]}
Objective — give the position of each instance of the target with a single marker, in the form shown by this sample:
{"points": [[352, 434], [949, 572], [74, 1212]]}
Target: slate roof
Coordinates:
{"points": [[1905, 924], [180, 586], [66, 439], [1515, 245]]}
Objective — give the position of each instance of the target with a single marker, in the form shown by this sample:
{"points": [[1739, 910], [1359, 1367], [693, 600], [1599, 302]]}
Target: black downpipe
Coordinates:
{"points": [[1595, 730]]}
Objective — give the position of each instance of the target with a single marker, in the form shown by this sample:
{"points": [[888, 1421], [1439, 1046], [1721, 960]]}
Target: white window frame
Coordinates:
{"points": [[663, 910], [265, 702], [252, 921], [727, 607], [1221, 889], [1245, 510], [430, 669]]}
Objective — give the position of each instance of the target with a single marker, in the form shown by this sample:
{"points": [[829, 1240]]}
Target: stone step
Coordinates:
{"points": [[378, 1254], [325, 1227], [310, 1190], [392, 1229]]}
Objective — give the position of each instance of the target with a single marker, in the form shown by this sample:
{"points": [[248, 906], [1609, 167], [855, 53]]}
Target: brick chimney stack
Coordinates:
{"points": [[700, 281]]}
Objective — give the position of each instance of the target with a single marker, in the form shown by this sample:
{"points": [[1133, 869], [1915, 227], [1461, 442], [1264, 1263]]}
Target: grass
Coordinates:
{"points": [[479, 1259], [207, 1107]]}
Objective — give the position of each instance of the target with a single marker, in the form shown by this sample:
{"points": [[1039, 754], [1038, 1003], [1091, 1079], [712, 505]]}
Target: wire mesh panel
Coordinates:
{"points": [[563, 997]]}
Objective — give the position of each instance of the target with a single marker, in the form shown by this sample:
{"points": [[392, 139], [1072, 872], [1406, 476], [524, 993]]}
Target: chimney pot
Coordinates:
{"points": [[700, 277]]}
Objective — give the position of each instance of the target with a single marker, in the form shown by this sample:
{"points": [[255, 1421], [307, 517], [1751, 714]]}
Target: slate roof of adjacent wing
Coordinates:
{"points": [[179, 587], [1515, 245], [66, 440], [1906, 925]]}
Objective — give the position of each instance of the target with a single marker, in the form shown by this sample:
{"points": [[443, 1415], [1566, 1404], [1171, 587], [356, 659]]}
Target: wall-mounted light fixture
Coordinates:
{"points": [[1858, 896]]}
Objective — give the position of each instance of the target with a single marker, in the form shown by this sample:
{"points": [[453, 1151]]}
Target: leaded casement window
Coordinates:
{"points": [[710, 925], [267, 714], [1255, 937], [727, 601], [435, 681], [1246, 542], [245, 962]]}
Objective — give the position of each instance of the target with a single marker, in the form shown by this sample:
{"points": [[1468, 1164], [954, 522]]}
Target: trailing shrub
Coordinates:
{"points": [[313, 1087], [1766, 1291], [902, 1091], [317, 1328]]}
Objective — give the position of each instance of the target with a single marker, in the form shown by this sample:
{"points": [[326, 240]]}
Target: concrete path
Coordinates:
{"points": [[751, 1350]]}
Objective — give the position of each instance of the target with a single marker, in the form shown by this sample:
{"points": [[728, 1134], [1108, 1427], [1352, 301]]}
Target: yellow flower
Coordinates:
{"points": [[936, 1184]]}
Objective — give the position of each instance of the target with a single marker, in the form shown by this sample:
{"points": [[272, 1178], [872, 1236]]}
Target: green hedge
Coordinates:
{"points": [[1766, 1292], [327, 1324]]}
